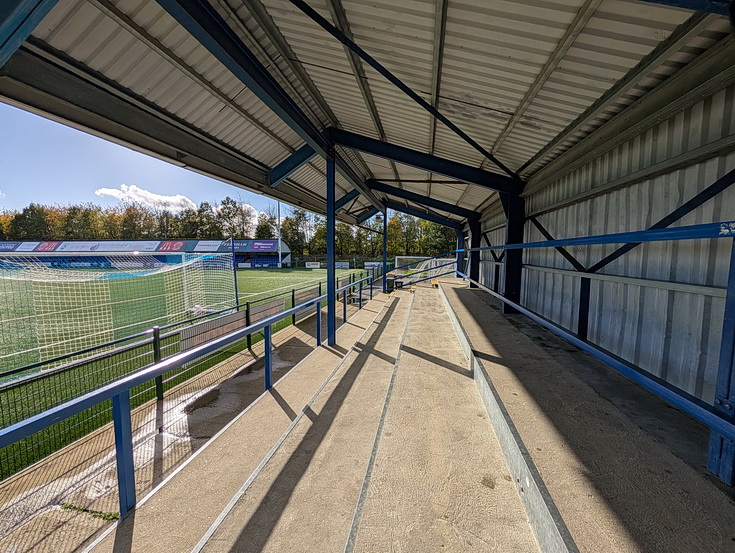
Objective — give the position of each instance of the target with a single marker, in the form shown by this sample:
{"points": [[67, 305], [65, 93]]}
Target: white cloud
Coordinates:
{"points": [[144, 197], [2, 194]]}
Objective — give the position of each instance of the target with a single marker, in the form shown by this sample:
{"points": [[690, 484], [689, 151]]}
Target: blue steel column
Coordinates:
{"points": [[331, 271], [124, 452], [385, 251], [474, 256], [460, 254], [721, 454], [513, 269]]}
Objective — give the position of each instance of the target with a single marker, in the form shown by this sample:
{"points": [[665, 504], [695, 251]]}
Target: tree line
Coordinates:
{"points": [[305, 233]]}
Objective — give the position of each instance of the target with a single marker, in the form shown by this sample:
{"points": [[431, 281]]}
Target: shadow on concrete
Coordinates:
{"points": [[123, 542], [630, 490], [283, 403], [255, 534], [464, 371]]}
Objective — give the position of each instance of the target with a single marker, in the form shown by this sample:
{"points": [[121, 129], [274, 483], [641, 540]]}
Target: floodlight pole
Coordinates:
{"points": [[234, 272], [280, 259], [331, 269]]}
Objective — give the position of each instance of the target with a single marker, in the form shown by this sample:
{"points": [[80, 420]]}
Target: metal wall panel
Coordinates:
{"points": [[674, 335]]}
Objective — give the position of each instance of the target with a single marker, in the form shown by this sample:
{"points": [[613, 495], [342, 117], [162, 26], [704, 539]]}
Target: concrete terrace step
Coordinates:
{"points": [[182, 509], [615, 486], [395, 452]]}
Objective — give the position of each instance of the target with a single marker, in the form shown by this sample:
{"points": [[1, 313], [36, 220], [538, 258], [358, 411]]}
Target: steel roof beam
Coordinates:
{"points": [[423, 215], [49, 82], [372, 62], [440, 31], [292, 163], [18, 18], [367, 215], [203, 22], [571, 34], [337, 11], [721, 7], [680, 37], [423, 200], [347, 198], [427, 162]]}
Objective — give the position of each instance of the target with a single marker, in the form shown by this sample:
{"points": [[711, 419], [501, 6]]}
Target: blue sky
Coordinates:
{"points": [[49, 163]]}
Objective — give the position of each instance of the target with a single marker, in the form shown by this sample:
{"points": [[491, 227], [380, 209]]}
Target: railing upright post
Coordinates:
{"points": [[583, 316], [721, 451], [371, 287], [359, 301], [293, 304], [124, 452], [157, 359], [268, 357], [318, 324], [344, 306], [248, 323]]}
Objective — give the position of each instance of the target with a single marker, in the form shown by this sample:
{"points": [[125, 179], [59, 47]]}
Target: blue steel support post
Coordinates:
{"points": [[474, 256], [318, 324], [124, 452], [331, 270], [721, 454], [268, 345], [583, 316], [344, 306], [385, 251], [359, 302], [460, 254], [371, 288], [513, 268]]}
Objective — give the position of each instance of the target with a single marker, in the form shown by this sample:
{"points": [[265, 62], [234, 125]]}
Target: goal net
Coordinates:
{"points": [[52, 305], [411, 269]]}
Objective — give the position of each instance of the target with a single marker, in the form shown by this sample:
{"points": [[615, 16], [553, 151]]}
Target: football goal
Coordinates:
{"points": [[411, 269], [52, 306]]}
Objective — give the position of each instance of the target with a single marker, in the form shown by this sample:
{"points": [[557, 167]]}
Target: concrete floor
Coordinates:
{"points": [[616, 461], [393, 453], [383, 444], [83, 474]]}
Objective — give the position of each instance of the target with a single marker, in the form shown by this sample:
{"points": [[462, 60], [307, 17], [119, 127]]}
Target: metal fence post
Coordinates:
{"points": [[359, 301], [583, 316], [268, 358], [157, 359], [721, 451], [124, 452], [318, 323], [344, 306], [247, 323], [293, 304], [371, 288]]}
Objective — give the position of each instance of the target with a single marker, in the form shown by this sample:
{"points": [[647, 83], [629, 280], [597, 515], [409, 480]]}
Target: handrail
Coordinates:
{"points": [[424, 259], [141, 334], [678, 398], [39, 422]]}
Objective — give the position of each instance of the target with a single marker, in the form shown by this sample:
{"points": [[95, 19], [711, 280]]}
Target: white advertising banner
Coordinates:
{"points": [[109, 246], [313, 265]]}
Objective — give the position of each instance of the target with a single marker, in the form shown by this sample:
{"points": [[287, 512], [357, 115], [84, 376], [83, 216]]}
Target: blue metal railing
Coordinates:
{"points": [[119, 393], [717, 417]]}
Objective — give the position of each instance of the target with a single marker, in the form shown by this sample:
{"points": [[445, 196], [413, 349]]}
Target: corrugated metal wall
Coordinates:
{"points": [[671, 333]]}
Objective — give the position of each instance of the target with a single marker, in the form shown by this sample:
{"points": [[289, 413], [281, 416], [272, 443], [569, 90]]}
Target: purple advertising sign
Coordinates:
{"points": [[264, 246]]}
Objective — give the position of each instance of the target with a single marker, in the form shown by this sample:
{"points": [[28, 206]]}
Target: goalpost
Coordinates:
{"points": [[414, 268], [53, 305]]}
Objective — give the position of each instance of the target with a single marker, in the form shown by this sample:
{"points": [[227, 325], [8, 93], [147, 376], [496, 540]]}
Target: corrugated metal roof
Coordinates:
{"points": [[512, 74]]}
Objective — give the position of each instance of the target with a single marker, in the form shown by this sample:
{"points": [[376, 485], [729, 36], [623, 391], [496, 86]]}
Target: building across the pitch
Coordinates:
{"points": [[81, 254]]}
